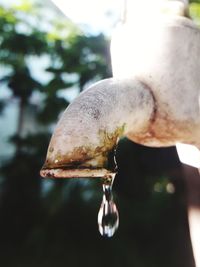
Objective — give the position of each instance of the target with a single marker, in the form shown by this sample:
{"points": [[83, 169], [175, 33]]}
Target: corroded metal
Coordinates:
{"points": [[153, 97], [83, 143]]}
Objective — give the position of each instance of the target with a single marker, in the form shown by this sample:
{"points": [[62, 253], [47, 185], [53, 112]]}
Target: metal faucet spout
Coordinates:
{"points": [[87, 134]]}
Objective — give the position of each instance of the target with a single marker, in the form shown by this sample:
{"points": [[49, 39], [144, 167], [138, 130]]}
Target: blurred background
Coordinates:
{"points": [[46, 59]]}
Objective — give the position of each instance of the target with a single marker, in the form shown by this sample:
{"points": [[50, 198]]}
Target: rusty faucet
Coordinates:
{"points": [[153, 97]]}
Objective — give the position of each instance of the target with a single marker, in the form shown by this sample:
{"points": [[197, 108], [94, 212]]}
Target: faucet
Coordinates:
{"points": [[152, 98]]}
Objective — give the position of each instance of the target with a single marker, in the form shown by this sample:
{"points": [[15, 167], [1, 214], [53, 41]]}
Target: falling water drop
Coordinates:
{"points": [[108, 216]]}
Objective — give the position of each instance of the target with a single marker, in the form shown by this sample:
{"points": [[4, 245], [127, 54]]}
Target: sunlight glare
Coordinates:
{"points": [[97, 14], [188, 154], [194, 219]]}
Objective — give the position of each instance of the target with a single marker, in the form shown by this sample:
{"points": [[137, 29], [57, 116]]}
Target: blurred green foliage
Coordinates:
{"points": [[53, 222]]}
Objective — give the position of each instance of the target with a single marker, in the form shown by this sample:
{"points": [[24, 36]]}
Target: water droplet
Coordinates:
{"points": [[108, 216]]}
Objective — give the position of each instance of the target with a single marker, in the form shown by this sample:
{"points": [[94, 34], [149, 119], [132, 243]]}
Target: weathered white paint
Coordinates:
{"points": [[163, 53], [154, 95], [93, 123]]}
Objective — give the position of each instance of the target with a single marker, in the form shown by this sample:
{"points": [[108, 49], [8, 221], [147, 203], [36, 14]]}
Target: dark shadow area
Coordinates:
{"points": [[58, 227]]}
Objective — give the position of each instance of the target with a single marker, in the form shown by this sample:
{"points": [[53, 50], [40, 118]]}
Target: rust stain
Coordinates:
{"points": [[77, 173], [88, 156], [163, 129]]}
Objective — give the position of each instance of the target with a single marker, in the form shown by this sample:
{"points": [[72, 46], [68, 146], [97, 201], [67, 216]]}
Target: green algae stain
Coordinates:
{"points": [[90, 156]]}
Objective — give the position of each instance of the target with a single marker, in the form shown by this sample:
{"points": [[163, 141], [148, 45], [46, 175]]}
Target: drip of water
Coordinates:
{"points": [[108, 216]]}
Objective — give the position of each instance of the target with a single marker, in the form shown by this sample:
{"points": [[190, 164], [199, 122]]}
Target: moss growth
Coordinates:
{"points": [[89, 156]]}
